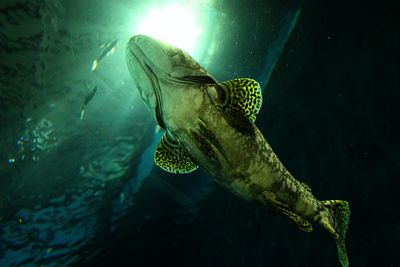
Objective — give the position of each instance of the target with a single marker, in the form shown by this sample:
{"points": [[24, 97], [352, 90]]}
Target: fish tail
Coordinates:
{"points": [[337, 225]]}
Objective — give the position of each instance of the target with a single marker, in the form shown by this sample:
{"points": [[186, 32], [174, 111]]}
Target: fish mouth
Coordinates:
{"points": [[139, 57], [170, 63], [155, 65]]}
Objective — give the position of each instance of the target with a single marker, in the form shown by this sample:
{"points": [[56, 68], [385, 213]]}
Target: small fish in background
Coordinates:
{"points": [[88, 98], [107, 49]]}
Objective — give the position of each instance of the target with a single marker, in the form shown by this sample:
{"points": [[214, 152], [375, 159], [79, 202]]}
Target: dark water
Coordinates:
{"points": [[85, 192]]}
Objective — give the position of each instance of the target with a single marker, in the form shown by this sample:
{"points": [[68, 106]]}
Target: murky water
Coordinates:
{"points": [[78, 185]]}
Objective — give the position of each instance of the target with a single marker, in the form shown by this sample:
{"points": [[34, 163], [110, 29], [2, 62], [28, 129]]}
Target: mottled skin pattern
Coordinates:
{"points": [[245, 164], [218, 133], [239, 158]]}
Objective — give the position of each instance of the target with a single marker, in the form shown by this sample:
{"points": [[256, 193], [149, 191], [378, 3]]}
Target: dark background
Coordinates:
{"points": [[330, 113]]}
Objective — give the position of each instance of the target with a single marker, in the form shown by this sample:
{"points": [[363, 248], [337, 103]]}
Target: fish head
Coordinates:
{"points": [[160, 70]]}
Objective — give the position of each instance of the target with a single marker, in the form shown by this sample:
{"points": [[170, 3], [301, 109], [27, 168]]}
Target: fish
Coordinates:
{"points": [[87, 99], [211, 124], [107, 49]]}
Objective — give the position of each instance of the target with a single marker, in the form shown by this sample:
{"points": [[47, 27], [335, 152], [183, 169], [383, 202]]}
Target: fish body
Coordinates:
{"points": [[88, 98], [212, 125], [107, 49]]}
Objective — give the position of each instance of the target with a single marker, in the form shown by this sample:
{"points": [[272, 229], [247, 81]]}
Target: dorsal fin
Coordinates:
{"points": [[306, 186], [171, 157]]}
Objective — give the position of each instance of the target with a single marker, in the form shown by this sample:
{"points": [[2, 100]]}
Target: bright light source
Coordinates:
{"points": [[173, 24]]}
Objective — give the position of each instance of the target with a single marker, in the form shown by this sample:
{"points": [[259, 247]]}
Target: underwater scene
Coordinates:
{"points": [[199, 133]]}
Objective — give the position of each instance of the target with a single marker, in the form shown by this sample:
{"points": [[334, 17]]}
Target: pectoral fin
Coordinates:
{"points": [[243, 96], [172, 157]]}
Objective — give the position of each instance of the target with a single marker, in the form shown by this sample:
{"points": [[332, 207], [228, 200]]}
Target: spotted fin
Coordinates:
{"points": [[243, 97], [171, 157], [338, 225], [303, 224]]}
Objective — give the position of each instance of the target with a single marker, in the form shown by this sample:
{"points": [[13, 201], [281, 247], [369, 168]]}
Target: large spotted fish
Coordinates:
{"points": [[211, 124]]}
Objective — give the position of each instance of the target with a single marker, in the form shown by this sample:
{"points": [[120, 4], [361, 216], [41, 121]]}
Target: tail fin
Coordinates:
{"points": [[337, 225]]}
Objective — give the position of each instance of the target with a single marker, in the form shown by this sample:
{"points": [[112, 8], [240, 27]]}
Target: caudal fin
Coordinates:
{"points": [[337, 225]]}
